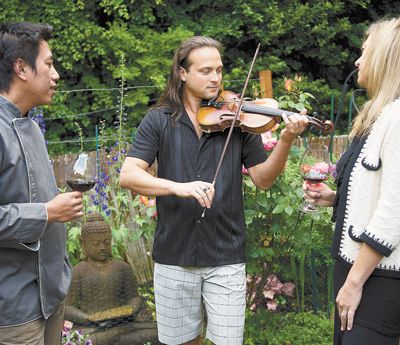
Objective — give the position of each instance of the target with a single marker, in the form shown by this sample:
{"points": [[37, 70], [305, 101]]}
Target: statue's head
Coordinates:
{"points": [[96, 238]]}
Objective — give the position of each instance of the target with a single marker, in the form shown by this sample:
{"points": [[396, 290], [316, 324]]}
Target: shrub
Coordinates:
{"points": [[305, 328]]}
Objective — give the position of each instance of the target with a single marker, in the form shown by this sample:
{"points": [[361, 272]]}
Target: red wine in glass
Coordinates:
{"points": [[314, 180], [80, 185], [81, 173], [314, 168]]}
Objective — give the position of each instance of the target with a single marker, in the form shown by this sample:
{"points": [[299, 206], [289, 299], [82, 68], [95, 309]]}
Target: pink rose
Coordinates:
{"points": [[67, 326], [272, 305], [269, 294], [273, 283], [269, 146], [269, 142], [288, 289]]}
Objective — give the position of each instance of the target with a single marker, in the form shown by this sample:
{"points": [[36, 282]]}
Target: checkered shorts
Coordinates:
{"points": [[180, 293]]}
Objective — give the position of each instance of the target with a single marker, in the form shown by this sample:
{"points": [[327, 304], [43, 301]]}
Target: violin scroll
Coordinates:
{"points": [[319, 125]]}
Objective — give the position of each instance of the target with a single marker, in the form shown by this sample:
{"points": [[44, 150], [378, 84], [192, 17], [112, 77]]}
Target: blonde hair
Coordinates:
{"points": [[381, 65]]}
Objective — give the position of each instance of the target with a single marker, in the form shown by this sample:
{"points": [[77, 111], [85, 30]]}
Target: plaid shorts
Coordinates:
{"points": [[180, 293]]}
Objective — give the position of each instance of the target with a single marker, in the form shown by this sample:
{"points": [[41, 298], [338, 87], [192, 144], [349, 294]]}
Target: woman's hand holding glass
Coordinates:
{"points": [[318, 194], [315, 167]]}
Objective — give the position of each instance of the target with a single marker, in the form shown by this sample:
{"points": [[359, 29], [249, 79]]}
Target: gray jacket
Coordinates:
{"points": [[34, 271]]}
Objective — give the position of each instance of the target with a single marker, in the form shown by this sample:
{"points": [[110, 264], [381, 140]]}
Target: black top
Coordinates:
{"points": [[343, 170], [182, 237]]}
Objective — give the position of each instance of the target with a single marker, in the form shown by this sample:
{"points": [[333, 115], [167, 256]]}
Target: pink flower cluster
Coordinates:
{"points": [[273, 287], [67, 326], [77, 337]]}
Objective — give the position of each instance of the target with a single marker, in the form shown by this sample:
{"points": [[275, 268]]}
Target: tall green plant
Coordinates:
{"points": [[124, 211], [280, 238]]}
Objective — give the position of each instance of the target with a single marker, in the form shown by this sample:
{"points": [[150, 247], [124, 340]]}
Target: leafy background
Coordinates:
{"points": [[319, 39]]}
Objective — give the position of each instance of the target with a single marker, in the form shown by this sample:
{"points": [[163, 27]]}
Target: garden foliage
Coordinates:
{"points": [[280, 240], [320, 39]]}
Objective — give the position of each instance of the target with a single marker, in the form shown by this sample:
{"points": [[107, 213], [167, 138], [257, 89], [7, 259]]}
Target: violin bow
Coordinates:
{"points": [[228, 138]]}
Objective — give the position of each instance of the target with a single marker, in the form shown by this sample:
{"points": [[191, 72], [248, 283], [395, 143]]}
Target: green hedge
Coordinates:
{"points": [[266, 328]]}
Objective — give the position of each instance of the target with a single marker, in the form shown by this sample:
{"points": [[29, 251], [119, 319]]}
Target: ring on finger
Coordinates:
{"points": [[205, 189]]}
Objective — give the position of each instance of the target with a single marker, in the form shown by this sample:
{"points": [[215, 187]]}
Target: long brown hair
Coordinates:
{"points": [[381, 65], [172, 96]]}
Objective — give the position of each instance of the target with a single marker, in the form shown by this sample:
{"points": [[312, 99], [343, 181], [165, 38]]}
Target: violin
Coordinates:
{"points": [[257, 116]]}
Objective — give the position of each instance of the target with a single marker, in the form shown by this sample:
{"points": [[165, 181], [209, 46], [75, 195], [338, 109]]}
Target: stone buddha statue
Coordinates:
{"points": [[103, 299]]}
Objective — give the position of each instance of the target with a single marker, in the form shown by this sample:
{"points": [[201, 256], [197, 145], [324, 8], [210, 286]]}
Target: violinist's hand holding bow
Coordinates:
{"points": [[203, 192], [295, 125]]}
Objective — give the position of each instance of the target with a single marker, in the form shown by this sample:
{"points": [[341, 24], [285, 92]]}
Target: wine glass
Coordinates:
{"points": [[314, 169], [81, 173]]}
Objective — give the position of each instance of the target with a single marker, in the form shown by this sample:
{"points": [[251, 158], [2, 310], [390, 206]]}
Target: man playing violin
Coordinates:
{"points": [[199, 257]]}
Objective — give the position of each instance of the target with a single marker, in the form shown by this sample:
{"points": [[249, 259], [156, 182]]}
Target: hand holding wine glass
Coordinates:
{"points": [[320, 194], [65, 207], [314, 168]]}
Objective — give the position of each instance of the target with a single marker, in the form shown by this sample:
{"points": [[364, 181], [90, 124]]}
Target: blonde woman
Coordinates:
{"points": [[366, 203]]}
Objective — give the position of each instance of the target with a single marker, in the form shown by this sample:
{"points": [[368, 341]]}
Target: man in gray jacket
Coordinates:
{"points": [[34, 270]]}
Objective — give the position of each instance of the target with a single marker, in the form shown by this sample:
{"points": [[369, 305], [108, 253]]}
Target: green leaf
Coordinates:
{"points": [[249, 216], [263, 201], [279, 208], [289, 210]]}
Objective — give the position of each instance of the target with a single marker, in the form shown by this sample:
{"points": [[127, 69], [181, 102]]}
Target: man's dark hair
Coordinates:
{"points": [[19, 41]]}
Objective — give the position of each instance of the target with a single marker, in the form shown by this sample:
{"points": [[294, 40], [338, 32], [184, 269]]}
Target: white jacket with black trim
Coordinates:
{"points": [[372, 212]]}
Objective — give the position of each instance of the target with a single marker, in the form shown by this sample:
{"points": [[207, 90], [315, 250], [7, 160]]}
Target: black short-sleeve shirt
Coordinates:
{"points": [[183, 237]]}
